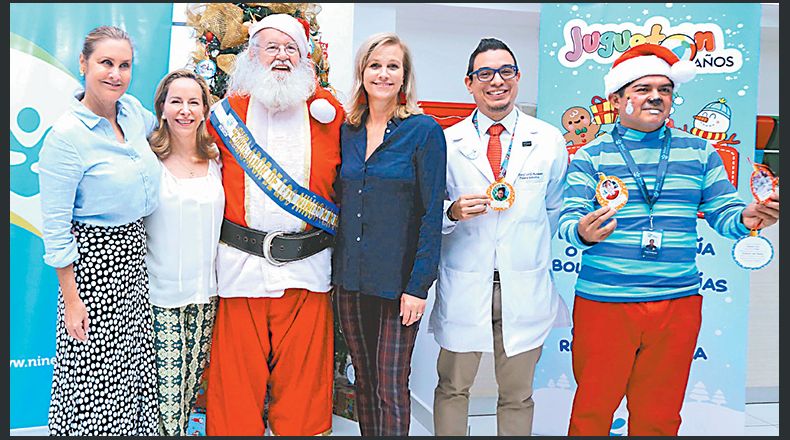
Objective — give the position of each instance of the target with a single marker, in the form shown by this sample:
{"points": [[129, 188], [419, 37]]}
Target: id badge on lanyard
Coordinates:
{"points": [[651, 238]]}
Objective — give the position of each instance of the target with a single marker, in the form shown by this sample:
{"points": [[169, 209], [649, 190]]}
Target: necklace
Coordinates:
{"points": [[184, 166]]}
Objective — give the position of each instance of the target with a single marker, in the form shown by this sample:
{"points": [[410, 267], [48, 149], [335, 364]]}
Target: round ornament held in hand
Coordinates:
{"points": [[762, 182], [502, 195], [752, 252], [611, 191]]}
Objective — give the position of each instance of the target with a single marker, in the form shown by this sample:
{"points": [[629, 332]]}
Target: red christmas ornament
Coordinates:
{"points": [[306, 26], [209, 36]]}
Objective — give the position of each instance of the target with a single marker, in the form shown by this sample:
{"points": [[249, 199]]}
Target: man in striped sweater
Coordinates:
{"points": [[637, 313]]}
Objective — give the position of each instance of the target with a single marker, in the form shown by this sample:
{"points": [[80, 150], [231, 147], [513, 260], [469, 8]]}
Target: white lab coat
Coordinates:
{"points": [[517, 242]]}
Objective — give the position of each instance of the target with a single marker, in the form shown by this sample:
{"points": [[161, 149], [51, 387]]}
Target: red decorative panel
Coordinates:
{"points": [[765, 128], [447, 114]]}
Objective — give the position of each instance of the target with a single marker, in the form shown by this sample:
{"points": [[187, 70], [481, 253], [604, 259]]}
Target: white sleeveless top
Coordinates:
{"points": [[182, 237]]}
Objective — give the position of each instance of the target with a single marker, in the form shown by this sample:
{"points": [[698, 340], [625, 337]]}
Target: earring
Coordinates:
{"points": [[82, 72], [402, 98], [629, 108], [363, 99]]}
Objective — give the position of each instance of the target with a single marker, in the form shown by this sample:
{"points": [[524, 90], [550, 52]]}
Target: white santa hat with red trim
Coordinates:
{"points": [[297, 29], [644, 60]]}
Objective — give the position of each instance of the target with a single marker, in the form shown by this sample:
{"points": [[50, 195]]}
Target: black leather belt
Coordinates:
{"points": [[277, 248], [496, 276]]}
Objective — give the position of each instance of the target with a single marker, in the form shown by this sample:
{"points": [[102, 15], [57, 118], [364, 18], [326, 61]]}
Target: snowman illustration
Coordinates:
{"points": [[713, 121], [712, 124]]}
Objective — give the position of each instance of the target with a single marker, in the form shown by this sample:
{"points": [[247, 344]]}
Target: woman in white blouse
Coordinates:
{"points": [[182, 238]]}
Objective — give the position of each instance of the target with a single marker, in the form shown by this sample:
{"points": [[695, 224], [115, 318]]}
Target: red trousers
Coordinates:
{"points": [[639, 350], [285, 343]]}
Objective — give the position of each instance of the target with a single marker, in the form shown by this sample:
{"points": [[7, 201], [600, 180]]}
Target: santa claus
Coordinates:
{"points": [[278, 134]]}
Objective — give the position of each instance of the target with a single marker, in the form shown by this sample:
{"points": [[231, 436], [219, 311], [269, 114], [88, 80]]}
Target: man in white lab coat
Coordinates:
{"points": [[495, 291]]}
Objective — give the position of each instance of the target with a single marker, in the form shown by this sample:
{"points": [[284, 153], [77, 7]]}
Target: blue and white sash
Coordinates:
{"points": [[268, 175]]}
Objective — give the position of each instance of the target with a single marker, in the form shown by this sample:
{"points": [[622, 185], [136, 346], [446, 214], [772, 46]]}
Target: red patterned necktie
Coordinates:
{"points": [[495, 148]]}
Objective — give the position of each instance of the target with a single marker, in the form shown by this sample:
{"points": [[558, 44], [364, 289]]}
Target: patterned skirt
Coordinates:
{"points": [[107, 385], [182, 338]]}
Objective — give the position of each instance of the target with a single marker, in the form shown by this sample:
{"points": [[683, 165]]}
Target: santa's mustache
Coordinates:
{"points": [[277, 63]]}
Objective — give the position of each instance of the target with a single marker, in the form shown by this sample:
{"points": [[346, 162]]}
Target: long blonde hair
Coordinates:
{"points": [[160, 138], [358, 103]]}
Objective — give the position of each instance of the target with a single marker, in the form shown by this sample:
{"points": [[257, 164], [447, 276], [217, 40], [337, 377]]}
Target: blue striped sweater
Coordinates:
{"points": [[614, 270]]}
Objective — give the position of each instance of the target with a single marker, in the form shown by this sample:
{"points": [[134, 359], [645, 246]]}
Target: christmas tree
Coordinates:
{"points": [[699, 393], [221, 31], [718, 398]]}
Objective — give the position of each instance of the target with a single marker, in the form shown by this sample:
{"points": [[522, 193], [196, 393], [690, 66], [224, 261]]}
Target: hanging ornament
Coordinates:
{"points": [[762, 182], [206, 68], [209, 36], [753, 251]]}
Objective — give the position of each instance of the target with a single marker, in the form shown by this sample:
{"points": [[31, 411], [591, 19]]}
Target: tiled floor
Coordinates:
{"points": [[761, 419], [346, 427]]}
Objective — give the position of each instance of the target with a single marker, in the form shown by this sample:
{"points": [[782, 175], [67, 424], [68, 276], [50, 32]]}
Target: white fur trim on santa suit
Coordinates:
{"points": [[637, 67], [287, 25], [322, 111]]}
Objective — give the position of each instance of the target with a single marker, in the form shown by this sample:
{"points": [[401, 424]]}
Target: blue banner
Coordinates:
{"points": [[578, 43], [46, 41]]}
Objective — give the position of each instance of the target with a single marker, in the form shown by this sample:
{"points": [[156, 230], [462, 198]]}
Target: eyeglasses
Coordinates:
{"points": [[486, 74], [274, 48]]}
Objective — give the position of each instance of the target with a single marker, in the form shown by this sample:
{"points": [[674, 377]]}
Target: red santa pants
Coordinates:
{"points": [[641, 350], [286, 343]]}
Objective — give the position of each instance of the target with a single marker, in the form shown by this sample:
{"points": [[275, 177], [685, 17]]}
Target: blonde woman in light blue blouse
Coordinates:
{"points": [[98, 179]]}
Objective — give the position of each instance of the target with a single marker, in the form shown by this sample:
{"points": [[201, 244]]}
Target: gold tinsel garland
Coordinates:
{"points": [[221, 33]]}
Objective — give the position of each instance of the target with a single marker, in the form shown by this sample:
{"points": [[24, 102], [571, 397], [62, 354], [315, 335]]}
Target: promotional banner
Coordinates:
{"points": [[45, 45], [578, 43]]}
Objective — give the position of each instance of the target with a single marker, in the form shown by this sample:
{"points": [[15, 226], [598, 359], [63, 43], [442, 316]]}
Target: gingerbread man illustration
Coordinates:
{"points": [[580, 125]]}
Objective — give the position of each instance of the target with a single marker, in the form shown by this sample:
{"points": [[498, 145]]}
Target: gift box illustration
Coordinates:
{"points": [[602, 111]]}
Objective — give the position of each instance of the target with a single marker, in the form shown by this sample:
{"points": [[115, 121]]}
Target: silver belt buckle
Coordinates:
{"points": [[267, 248]]}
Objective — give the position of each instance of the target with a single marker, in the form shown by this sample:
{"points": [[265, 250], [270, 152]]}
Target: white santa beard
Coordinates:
{"points": [[277, 90]]}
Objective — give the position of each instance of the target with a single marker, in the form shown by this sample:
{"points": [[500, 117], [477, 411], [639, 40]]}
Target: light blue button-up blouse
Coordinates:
{"points": [[86, 175]]}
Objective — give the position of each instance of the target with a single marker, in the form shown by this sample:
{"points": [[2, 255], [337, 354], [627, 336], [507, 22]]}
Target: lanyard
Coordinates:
{"points": [[661, 174], [503, 169]]}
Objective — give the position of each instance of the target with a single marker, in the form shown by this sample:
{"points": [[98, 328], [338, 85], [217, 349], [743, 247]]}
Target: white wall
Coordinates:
{"points": [[336, 21], [768, 82], [441, 38]]}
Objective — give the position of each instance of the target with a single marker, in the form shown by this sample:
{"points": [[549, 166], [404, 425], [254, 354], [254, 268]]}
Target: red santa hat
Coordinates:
{"points": [[644, 60], [297, 29]]}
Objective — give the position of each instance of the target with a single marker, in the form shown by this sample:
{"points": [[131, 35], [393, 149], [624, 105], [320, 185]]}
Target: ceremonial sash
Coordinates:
{"points": [[268, 175]]}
